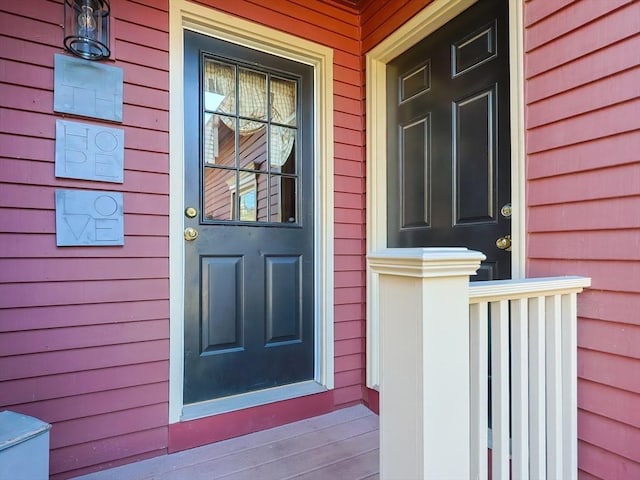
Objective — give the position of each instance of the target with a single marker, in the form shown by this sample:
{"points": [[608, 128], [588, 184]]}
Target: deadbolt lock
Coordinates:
{"points": [[190, 212], [506, 210]]}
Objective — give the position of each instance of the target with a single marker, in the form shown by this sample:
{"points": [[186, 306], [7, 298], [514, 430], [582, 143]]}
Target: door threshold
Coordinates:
{"points": [[251, 399]]}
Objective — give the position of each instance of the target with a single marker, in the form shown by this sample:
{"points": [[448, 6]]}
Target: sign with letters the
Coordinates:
{"points": [[89, 152], [89, 89], [89, 218]]}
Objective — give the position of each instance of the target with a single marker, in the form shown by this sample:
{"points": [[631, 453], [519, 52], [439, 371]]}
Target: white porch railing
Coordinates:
{"points": [[533, 346], [434, 361]]}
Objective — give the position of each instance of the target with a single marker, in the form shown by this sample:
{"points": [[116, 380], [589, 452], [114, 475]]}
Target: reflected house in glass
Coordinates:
{"points": [[262, 127]]}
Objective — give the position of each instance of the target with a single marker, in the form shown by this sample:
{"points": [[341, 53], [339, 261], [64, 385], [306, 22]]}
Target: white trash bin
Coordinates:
{"points": [[24, 447]]}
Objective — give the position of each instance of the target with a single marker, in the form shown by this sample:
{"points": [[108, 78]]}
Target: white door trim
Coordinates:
{"points": [[418, 27], [186, 15]]}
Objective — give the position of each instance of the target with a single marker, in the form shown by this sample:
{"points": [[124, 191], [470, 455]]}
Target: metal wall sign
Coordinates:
{"points": [[89, 218], [89, 152], [86, 88]]}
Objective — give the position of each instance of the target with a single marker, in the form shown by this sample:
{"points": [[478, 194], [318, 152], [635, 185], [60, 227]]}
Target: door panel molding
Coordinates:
{"points": [[432, 17], [185, 15]]}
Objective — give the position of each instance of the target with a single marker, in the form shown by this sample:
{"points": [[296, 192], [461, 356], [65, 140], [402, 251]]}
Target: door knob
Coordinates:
{"points": [[190, 234], [190, 212], [504, 243]]}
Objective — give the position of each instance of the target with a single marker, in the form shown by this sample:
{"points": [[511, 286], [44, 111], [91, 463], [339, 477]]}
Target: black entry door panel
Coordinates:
{"points": [[249, 282], [449, 149]]}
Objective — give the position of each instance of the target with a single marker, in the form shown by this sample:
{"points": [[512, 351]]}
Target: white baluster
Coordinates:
{"points": [[500, 389], [479, 352], [520, 389], [537, 401]]}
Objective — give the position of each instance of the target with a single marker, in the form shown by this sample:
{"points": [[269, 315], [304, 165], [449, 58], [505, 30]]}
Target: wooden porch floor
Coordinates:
{"points": [[341, 445]]}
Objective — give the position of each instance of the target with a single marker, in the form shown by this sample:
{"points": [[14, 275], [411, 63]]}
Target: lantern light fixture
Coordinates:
{"points": [[86, 28]]}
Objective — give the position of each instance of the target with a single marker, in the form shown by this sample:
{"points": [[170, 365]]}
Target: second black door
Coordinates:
{"points": [[449, 166]]}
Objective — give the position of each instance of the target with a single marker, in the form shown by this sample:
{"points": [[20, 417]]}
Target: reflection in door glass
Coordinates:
{"points": [[218, 193], [252, 97], [250, 138], [219, 87], [219, 140], [261, 182], [283, 101], [253, 150], [282, 149], [283, 199]]}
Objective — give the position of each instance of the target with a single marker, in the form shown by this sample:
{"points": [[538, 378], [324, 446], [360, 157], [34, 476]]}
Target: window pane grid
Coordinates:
{"points": [[250, 131]]}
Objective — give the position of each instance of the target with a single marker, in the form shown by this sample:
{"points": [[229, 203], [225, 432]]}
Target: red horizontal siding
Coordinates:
{"points": [[34, 318], [348, 230], [42, 173], [349, 362], [350, 312], [606, 401], [53, 339], [84, 406], [81, 382], [612, 370], [613, 306], [616, 338], [58, 269], [350, 378], [107, 452], [380, 19], [349, 329], [607, 61], [85, 342], [604, 214], [89, 351], [569, 19], [604, 464], [610, 435], [288, 17], [83, 430], [12, 221], [588, 38], [598, 94], [72, 293], [31, 196], [348, 395], [610, 275], [583, 170], [589, 245], [69, 361], [596, 185], [31, 148], [43, 246], [349, 279], [604, 122]]}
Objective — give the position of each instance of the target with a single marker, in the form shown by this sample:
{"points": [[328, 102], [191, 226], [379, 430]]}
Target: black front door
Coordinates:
{"points": [[449, 150], [249, 281]]}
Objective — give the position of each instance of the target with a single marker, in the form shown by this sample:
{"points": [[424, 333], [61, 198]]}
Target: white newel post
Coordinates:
{"points": [[424, 361]]}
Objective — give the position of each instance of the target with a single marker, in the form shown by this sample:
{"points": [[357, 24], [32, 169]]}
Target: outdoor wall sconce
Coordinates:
{"points": [[86, 28]]}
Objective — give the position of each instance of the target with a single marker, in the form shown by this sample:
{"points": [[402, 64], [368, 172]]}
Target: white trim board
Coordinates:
{"points": [[432, 17], [184, 15]]}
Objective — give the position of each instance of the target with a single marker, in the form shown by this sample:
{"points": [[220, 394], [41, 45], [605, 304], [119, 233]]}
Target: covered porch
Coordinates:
{"points": [[477, 380]]}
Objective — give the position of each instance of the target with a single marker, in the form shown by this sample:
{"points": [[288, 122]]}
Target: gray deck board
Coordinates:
{"points": [[341, 445]]}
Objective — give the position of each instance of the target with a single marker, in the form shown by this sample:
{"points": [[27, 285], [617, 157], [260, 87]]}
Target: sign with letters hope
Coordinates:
{"points": [[89, 152], [89, 218]]}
